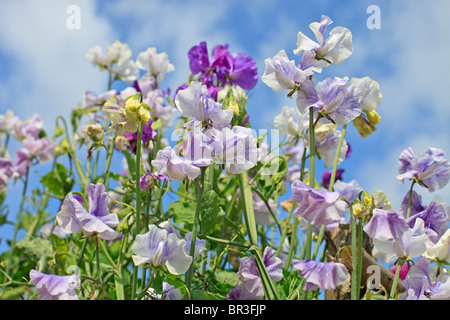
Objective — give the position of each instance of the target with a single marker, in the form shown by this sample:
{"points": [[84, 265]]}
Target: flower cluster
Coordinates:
{"points": [[219, 213]]}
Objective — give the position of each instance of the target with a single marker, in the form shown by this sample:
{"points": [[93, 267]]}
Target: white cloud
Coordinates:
{"points": [[49, 71]]}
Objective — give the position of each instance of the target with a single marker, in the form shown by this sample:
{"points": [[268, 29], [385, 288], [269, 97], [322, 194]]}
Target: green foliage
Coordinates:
{"points": [[58, 181]]}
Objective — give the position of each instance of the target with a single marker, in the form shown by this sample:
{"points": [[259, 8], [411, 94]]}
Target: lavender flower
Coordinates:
{"points": [[335, 49], [435, 220], [386, 225], [429, 168], [6, 171], [282, 73], [319, 207], [240, 292], [74, 218], [249, 275], [349, 191], [323, 275], [333, 98], [420, 285], [148, 180], [200, 245], [175, 168], [54, 287], [195, 101], [159, 247], [169, 292]]}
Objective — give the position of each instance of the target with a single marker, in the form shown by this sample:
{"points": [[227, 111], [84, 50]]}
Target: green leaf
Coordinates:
{"points": [[34, 249], [226, 277], [58, 181], [211, 213], [183, 211]]}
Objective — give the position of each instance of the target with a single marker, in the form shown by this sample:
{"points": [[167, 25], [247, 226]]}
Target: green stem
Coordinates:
{"points": [[97, 251], [354, 274], [396, 277], [408, 213], [283, 235], [138, 200], [195, 228], [18, 221], [109, 159]]}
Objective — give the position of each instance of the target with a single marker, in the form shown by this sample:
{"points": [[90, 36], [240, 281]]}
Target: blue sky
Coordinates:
{"points": [[44, 69]]}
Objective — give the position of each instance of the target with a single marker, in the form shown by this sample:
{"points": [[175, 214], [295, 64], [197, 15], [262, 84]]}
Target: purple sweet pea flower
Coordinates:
{"points": [[54, 287], [169, 292], [386, 225], [416, 203], [419, 284], [435, 220], [198, 58], [323, 275], [6, 171], [74, 218], [326, 177], [249, 275], [200, 245], [319, 207], [147, 134], [43, 149], [236, 147], [175, 168], [240, 292], [429, 168], [347, 190], [243, 72], [22, 162], [195, 101], [333, 98], [159, 247], [282, 73], [148, 180]]}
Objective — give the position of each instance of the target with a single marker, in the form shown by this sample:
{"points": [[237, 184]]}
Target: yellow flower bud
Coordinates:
{"points": [[373, 117]]}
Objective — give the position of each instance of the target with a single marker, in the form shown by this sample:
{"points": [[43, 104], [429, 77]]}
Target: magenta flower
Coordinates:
{"points": [[323, 275], [148, 180], [147, 134], [318, 207], [429, 168], [74, 218], [54, 287]]}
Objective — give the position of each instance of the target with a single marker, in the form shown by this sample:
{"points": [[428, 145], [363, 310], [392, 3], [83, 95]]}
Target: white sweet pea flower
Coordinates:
{"points": [[335, 49], [157, 64], [369, 90], [441, 250]]}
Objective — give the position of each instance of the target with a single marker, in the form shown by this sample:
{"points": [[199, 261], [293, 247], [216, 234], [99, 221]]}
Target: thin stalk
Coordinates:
{"points": [[109, 159], [283, 235], [408, 213], [138, 200], [331, 185], [19, 218], [354, 275], [396, 277], [97, 252], [195, 228]]}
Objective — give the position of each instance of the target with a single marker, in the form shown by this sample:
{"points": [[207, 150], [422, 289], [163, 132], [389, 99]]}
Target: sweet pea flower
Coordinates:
{"points": [[290, 121], [369, 90], [73, 217], [333, 50], [116, 60], [386, 225], [169, 292], [157, 64], [249, 275], [200, 245], [235, 147], [319, 207], [420, 285], [282, 73], [148, 180], [159, 247], [195, 101], [412, 243], [441, 250], [326, 143], [435, 220], [240, 292], [347, 190], [323, 275], [54, 287], [177, 169], [332, 98], [429, 168], [6, 171]]}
